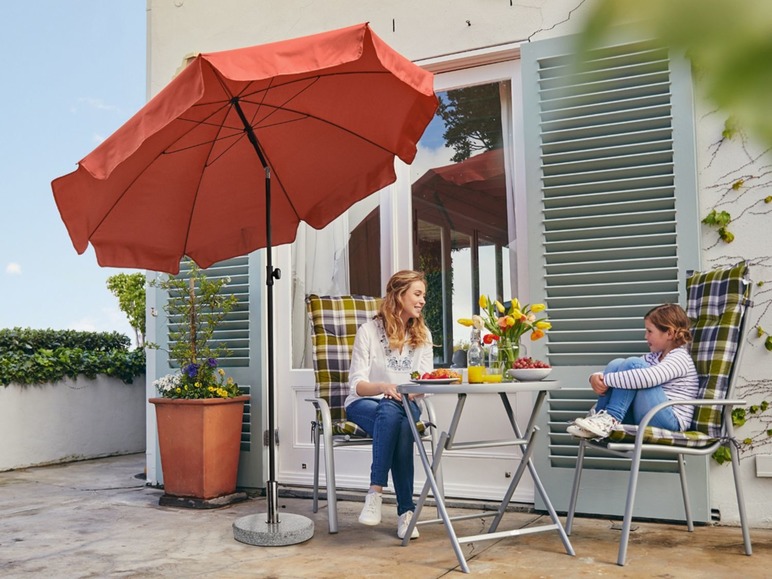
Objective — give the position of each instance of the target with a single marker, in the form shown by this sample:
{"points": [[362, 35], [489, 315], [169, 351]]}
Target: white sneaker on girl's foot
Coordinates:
{"points": [[371, 512], [600, 424], [578, 432], [402, 524]]}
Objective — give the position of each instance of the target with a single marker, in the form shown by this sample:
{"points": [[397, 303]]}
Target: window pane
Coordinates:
{"points": [[460, 204]]}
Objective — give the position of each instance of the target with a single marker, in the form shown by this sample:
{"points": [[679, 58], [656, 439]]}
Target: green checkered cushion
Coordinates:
{"points": [[334, 321], [716, 302]]}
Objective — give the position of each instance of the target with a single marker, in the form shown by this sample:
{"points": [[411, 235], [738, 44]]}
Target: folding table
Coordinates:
{"points": [[522, 439]]}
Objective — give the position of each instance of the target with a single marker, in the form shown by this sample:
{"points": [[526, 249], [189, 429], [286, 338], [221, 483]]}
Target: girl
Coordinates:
{"points": [[629, 388], [386, 350]]}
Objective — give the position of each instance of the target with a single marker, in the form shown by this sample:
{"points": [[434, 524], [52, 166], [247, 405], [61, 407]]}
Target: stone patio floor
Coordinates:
{"points": [[97, 518]]}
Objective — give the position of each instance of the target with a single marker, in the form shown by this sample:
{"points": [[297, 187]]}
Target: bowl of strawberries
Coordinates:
{"points": [[527, 369]]}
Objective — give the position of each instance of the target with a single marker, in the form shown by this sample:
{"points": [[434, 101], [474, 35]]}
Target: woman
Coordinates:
{"points": [[387, 349]]}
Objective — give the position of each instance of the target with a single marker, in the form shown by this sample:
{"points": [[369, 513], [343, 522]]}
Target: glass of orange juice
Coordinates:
{"points": [[475, 374]]}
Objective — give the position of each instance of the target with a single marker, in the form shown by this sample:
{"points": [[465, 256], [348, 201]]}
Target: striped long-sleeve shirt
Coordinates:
{"points": [[675, 373]]}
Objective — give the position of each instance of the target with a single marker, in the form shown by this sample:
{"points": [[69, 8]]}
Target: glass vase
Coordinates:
{"points": [[508, 352]]}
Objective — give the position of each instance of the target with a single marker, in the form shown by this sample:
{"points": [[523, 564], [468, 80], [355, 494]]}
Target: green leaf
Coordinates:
{"points": [[768, 343], [717, 218], [731, 128], [726, 235], [722, 455], [738, 416]]}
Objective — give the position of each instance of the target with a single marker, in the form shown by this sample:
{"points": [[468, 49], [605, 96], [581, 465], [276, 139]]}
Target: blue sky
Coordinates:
{"points": [[73, 72]]}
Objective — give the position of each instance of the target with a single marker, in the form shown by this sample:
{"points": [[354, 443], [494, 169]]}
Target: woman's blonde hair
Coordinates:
{"points": [[416, 333], [671, 317]]}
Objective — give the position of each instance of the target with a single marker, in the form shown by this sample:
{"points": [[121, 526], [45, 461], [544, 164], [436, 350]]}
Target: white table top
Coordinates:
{"points": [[484, 388]]}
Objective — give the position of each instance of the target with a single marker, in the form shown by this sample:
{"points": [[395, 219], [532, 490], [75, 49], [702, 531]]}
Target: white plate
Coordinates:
{"points": [[435, 380], [528, 374]]}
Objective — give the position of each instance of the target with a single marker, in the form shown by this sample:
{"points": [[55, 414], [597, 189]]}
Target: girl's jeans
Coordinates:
{"points": [[385, 420], [631, 405]]}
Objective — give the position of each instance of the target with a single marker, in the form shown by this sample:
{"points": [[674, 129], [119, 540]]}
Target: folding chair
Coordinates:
{"points": [[335, 320], [718, 302]]}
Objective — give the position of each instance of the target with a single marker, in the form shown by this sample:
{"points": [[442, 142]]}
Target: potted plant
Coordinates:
{"points": [[199, 410]]}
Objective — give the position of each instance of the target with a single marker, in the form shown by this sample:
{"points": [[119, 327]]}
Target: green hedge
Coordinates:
{"points": [[30, 356]]}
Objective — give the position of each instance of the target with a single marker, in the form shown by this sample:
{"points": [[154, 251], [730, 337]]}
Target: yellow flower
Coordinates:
{"points": [[221, 372], [499, 306], [483, 302], [515, 305], [468, 322], [536, 308], [543, 325]]}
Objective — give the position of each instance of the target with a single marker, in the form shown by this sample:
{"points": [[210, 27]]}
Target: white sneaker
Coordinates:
{"points": [[371, 512], [600, 424], [402, 524], [578, 432]]}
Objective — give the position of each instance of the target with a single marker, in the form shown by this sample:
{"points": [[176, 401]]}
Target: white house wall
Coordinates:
{"points": [[434, 31]]}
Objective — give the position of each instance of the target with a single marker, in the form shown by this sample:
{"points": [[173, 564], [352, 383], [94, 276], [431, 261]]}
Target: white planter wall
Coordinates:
{"points": [[70, 420]]}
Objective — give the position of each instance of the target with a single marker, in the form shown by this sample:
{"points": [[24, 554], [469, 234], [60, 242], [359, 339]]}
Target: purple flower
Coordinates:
{"points": [[191, 370], [212, 363]]}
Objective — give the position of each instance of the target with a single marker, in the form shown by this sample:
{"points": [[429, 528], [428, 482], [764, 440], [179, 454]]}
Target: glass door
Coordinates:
{"points": [[459, 192]]}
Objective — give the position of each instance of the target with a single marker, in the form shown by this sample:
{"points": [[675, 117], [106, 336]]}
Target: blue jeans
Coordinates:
{"points": [[630, 406], [385, 420]]}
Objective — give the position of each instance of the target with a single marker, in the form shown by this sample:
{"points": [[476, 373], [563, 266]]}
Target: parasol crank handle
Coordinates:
{"points": [[273, 273]]}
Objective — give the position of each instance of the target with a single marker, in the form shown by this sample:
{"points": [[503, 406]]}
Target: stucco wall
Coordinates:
{"points": [[722, 164], [70, 420]]}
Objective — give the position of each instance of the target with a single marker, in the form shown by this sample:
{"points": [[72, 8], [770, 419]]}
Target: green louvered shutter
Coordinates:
{"points": [[613, 228]]}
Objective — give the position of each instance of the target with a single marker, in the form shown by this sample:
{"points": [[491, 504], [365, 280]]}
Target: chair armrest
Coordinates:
{"points": [[690, 402], [430, 412], [324, 411]]}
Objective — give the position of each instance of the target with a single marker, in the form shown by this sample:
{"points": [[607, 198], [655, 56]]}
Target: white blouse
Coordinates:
{"points": [[372, 360]]}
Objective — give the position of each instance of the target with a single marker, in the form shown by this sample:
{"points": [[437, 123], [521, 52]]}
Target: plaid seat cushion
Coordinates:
{"points": [[715, 303], [334, 321], [353, 430], [652, 435]]}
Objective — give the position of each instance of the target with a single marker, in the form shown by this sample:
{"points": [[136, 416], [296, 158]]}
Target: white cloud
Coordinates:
{"points": [[13, 268], [106, 320], [97, 104], [429, 159], [86, 324]]}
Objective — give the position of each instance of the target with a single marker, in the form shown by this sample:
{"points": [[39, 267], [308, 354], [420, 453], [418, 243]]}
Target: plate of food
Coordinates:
{"points": [[439, 376]]}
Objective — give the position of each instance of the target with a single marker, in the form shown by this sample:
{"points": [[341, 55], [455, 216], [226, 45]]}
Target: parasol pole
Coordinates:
{"points": [[297, 528]]}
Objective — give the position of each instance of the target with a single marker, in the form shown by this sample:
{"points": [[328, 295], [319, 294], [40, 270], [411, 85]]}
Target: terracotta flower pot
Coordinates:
{"points": [[200, 444]]}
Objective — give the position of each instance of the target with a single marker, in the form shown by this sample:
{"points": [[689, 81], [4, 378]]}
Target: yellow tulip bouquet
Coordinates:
{"points": [[508, 326]]}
